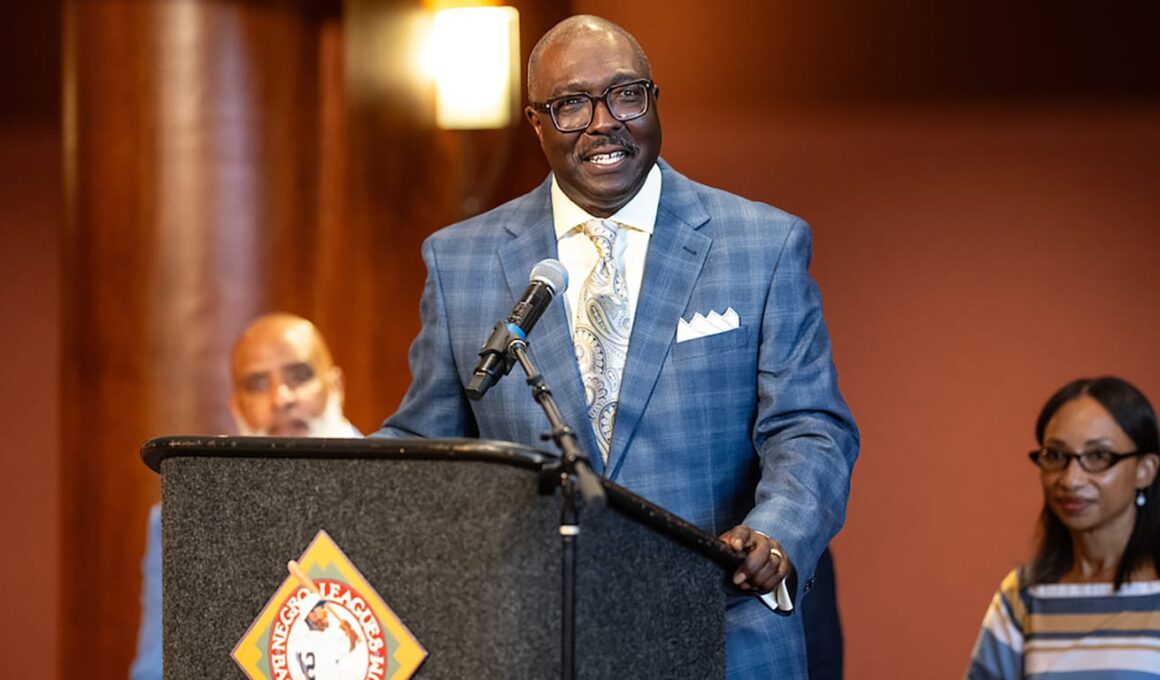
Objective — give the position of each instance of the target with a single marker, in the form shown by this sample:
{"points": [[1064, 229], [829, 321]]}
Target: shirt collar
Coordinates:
{"points": [[639, 213]]}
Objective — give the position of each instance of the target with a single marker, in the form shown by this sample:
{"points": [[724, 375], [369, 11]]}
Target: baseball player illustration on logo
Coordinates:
{"points": [[325, 643]]}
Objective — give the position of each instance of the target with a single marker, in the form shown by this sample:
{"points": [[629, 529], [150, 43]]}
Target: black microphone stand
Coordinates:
{"points": [[571, 473]]}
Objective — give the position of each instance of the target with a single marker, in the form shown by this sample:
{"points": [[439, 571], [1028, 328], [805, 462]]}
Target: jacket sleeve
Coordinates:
{"points": [[435, 404], [803, 432], [147, 663]]}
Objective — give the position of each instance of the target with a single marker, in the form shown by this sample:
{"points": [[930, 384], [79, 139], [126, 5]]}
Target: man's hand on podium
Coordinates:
{"points": [[765, 565]]}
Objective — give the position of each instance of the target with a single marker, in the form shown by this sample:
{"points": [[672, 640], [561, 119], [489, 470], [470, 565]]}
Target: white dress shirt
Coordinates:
{"points": [[578, 253]]}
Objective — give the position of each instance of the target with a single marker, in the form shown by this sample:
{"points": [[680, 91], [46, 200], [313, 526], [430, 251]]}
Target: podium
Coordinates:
{"points": [[458, 540]]}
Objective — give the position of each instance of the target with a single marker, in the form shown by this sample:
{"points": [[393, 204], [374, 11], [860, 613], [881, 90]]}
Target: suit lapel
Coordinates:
{"points": [[550, 342], [676, 253]]}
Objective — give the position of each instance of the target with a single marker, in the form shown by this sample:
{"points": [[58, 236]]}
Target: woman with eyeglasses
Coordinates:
{"points": [[1088, 604]]}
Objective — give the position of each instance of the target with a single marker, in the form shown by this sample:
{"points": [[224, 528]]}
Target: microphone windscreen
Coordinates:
{"points": [[551, 273]]}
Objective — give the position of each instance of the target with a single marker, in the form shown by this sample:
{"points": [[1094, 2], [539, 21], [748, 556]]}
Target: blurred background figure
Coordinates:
{"points": [[285, 381], [285, 384], [1088, 604]]}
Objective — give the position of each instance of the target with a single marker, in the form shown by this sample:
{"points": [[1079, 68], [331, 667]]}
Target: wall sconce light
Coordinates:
{"points": [[475, 55]]}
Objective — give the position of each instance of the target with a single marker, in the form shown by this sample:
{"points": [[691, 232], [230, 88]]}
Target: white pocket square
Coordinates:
{"points": [[700, 325]]}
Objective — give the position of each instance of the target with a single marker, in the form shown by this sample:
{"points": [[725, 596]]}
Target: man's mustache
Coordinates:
{"points": [[607, 143]]}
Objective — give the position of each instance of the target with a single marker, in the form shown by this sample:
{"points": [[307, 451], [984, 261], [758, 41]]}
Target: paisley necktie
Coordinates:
{"points": [[603, 324]]}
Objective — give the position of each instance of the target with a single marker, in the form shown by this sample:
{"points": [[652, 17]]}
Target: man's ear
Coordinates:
{"points": [[530, 114], [235, 410], [336, 380]]}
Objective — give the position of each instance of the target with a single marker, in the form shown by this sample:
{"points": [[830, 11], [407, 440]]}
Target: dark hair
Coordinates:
{"points": [[1132, 412]]}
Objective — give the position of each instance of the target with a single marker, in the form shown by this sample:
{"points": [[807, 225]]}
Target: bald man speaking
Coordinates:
{"points": [[689, 353]]}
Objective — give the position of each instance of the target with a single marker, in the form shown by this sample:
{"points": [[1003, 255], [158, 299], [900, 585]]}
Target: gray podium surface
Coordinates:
{"points": [[456, 538]]}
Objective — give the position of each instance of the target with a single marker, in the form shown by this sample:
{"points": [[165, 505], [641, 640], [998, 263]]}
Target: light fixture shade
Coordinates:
{"points": [[476, 54]]}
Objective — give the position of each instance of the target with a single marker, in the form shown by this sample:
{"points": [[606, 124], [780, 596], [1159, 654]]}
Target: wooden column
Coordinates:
{"points": [[191, 143]]}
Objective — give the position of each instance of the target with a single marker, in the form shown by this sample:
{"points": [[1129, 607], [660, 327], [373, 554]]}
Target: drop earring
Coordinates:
{"points": [[1140, 500]]}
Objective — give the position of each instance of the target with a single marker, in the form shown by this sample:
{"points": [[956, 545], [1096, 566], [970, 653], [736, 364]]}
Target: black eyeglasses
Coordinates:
{"points": [[1097, 460], [573, 112]]}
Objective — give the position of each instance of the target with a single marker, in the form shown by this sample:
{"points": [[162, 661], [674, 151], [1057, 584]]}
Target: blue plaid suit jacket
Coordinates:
{"points": [[746, 426]]}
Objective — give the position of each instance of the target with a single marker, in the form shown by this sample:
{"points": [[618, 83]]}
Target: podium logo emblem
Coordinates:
{"points": [[325, 622]]}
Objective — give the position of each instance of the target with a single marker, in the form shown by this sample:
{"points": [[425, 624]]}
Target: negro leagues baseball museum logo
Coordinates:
{"points": [[326, 623]]}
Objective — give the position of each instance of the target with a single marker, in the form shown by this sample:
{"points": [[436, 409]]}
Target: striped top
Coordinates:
{"points": [[1070, 631]]}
